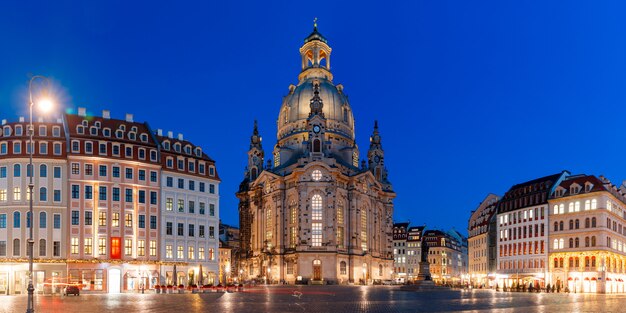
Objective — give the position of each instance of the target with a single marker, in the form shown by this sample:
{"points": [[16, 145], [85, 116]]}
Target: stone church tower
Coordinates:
{"points": [[314, 214]]}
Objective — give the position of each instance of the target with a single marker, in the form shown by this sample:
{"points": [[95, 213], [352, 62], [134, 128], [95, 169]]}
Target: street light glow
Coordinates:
{"points": [[45, 105]]}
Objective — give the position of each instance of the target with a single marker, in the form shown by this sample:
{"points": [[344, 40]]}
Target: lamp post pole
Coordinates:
{"points": [[31, 170]]}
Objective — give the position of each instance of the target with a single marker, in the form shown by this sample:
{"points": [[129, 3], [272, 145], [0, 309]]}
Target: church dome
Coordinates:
{"points": [[296, 105]]}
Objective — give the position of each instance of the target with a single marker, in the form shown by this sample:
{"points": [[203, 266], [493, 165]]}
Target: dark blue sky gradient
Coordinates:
{"points": [[471, 97]]}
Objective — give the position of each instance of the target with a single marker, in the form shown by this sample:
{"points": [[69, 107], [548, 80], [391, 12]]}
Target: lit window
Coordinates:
{"points": [[316, 233], [317, 175], [316, 207], [168, 252], [128, 246], [74, 245]]}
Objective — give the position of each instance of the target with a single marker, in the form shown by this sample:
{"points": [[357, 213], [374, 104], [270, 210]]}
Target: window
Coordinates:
{"points": [[16, 247], [316, 232], [190, 253], [88, 218], [181, 229], [75, 146], [153, 197], [128, 220], [169, 163], [169, 182], [88, 147], [3, 172], [181, 205], [202, 208], [169, 204], [192, 185], [43, 194], [317, 175], [56, 248], [202, 187], [141, 247], [129, 173], [88, 246], [17, 147], [168, 252], [128, 246], [153, 222], [181, 164], [153, 246], [88, 192], [3, 148], [142, 153], [17, 193], [168, 228], [116, 171], [212, 170], [153, 155], [17, 169], [43, 148], [181, 183], [142, 196], [142, 221], [129, 152], [3, 248], [142, 175], [201, 231], [43, 170], [191, 230], [316, 207], [75, 218], [211, 254], [102, 218], [212, 232], [102, 171], [57, 221], [192, 166], [594, 204], [74, 245], [116, 220], [57, 172], [192, 207], [153, 176], [201, 255], [364, 229], [212, 209], [116, 194], [3, 195], [57, 148], [88, 169], [102, 193], [211, 188], [129, 195], [3, 221], [116, 150], [180, 253]]}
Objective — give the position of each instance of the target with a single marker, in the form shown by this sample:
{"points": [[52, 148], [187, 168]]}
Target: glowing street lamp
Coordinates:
{"points": [[45, 104]]}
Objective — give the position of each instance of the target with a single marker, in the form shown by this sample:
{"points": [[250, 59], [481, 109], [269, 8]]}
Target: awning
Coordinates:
{"points": [[608, 278], [586, 278], [593, 278], [569, 278]]}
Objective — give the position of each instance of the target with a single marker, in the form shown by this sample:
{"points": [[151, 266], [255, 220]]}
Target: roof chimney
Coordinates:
{"points": [[21, 119], [4, 121], [129, 117], [106, 114], [159, 132], [82, 112], [40, 119], [170, 134], [180, 137]]}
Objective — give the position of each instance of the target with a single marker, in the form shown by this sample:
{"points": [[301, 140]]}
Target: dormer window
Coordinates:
{"points": [[144, 138], [43, 131], [18, 130], [119, 134], [588, 186], [198, 152], [177, 147], [201, 167], [153, 155], [80, 129], [133, 129], [56, 131], [7, 131], [85, 123], [93, 130], [97, 124], [106, 132], [132, 136], [166, 145], [169, 162], [188, 149], [212, 170], [123, 127]]}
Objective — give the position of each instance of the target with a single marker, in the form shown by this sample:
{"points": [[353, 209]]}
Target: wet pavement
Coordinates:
{"points": [[334, 299]]}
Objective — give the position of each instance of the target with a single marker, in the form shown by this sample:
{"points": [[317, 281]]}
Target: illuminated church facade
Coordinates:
{"points": [[315, 213]]}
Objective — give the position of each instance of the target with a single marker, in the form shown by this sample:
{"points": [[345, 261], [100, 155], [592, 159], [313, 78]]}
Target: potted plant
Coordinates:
{"points": [[157, 288], [169, 288], [220, 288], [181, 288], [206, 288]]}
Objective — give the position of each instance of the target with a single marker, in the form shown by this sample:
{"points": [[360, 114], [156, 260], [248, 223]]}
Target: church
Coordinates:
{"points": [[315, 213]]}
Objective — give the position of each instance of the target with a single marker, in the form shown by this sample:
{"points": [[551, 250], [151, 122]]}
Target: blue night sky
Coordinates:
{"points": [[470, 97]]}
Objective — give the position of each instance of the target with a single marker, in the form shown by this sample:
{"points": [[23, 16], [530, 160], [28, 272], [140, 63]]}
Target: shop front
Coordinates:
{"points": [[48, 278], [113, 277]]}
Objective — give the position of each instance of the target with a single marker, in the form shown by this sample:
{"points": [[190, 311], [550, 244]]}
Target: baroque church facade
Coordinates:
{"points": [[316, 213]]}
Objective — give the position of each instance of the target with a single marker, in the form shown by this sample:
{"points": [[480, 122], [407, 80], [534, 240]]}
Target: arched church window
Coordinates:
{"points": [[380, 270], [316, 207], [253, 173], [342, 268], [345, 115]]}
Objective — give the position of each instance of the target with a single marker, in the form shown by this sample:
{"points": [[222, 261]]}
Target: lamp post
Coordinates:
{"points": [[45, 105]]}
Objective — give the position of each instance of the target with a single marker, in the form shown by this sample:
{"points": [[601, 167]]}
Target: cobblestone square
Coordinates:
{"points": [[325, 299]]}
